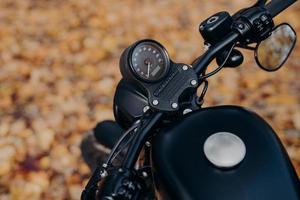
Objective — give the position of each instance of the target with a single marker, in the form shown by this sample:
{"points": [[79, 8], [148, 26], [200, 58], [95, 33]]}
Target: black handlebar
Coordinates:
{"points": [[203, 61], [274, 8], [277, 6]]}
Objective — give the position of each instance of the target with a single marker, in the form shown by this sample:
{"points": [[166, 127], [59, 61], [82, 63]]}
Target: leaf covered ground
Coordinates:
{"points": [[59, 69]]}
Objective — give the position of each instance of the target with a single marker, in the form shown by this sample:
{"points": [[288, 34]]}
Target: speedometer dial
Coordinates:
{"points": [[149, 61]]}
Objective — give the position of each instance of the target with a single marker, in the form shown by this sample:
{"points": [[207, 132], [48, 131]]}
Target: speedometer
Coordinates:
{"points": [[149, 61]]}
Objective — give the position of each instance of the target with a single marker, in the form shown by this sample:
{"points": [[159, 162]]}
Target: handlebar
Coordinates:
{"points": [[274, 8], [277, 6], [139, 140], [201, 63]]}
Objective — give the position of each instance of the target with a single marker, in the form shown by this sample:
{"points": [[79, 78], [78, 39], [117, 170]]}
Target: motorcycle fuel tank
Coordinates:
{"points": [[226, 153]]}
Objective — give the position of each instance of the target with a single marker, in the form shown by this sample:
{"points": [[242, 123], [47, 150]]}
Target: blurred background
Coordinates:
{"points": [[59, 69]]}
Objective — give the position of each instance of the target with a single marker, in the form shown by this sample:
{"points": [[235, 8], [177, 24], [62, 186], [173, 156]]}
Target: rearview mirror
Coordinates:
{"points": [[272, 53]]}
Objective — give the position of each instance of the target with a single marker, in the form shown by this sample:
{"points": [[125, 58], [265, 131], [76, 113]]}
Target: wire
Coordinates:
{"points": [[91, 187], [200, 99], [121, 149], [113, 151], [219, 67]]}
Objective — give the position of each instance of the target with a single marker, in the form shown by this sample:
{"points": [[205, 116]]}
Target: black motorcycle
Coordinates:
{"points": [[175, 149]]}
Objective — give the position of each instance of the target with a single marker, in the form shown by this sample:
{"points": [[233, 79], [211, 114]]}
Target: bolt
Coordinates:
{"points": [[193, 82], [186, 111], [145, 174], [104, 165], [174, 105], [184, 67], [241, 26], [148, 144], [103, 174], [207, 46], [146, 108], [155, 102], [113, 195]]}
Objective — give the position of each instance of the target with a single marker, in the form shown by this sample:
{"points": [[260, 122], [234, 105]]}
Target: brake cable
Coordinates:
{"points": [[100, 172], [121, 148], [219, 67], [114, 151]]}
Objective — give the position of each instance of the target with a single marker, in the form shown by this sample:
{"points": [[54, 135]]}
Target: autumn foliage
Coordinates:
{"points": [[59, 70]]}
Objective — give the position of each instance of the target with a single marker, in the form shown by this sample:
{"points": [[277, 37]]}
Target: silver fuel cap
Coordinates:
{"points": [[224, 150]]}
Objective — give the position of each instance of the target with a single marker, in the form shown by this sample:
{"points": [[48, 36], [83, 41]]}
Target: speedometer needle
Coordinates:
{"points": [[148, 74]]}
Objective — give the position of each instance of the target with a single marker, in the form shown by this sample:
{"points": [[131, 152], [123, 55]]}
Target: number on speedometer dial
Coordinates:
{"points": [[149, 61]]}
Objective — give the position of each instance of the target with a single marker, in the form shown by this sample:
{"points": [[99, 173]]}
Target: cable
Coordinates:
{"points": [[111, 155], [121, 149], [219, 67]]}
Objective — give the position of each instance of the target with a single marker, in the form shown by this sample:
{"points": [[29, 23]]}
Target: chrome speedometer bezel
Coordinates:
{"points": [[165, 57]]}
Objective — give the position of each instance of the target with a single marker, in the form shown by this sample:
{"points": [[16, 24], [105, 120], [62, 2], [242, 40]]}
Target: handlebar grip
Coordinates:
{"points": [[277, 6]]}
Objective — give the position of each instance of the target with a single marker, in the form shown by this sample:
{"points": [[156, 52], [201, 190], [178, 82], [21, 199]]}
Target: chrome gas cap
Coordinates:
{"points": [[224, 150]]}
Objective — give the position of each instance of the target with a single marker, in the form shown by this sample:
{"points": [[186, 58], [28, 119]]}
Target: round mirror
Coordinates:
{"points": [[272, 53]]}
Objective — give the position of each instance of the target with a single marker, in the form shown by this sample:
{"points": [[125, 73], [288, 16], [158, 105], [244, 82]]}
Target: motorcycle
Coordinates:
{"points": [[173, 148]]}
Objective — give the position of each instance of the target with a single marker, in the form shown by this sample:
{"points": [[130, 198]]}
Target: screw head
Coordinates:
{"points": [[155, 102], [103, 174], [146, 108], [145, 174], [184, 67], [148, 144], [213, 19], [186, 111], [104, 165], [137, 121], [193, 82], [174, 105], [241, 26]]}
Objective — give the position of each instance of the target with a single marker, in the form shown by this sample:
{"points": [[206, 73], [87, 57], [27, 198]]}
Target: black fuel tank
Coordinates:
{"points": [[181, 170]]}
